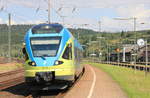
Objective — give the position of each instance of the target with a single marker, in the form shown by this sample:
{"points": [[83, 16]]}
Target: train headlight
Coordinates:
{"points": [[32, 63], [58, 62]]}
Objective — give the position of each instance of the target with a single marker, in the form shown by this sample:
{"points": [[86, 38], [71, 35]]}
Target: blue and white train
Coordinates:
{"points": [[51, 54]]}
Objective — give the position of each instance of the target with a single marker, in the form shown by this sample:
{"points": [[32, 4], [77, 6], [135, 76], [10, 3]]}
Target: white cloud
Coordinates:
{"points": [[139, 11], [103, 3], [122, 8], [1, 20], [25, 3]]}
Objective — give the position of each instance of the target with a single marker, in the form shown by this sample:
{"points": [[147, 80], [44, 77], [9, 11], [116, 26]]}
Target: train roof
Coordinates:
{"points": [[47, 28], [51, 29]]}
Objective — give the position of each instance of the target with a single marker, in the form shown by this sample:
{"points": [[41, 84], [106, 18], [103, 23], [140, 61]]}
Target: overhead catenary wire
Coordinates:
{"points": [[39, 8]]}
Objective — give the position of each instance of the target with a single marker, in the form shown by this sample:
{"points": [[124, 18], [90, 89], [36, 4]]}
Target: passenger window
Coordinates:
{"points": [[68, 52]]}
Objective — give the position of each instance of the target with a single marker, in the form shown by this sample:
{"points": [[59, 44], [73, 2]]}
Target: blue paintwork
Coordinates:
{"points": [[49, 61]]}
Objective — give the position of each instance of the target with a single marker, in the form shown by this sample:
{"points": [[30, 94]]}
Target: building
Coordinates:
{"points": [[129, 52]]}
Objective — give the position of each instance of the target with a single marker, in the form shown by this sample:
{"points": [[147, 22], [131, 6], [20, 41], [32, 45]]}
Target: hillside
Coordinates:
{"points": [[111, 40]]}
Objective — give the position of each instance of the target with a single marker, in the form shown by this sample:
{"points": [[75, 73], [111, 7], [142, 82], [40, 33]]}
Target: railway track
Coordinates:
{"points": [[20, 79], [8, 83], [13, 81], [60, 94], [12, 72], [52, 93], [4, 60]]}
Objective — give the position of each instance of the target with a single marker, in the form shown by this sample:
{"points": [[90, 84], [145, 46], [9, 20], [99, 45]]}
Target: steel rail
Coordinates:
{"points": [[12, 72], [12, 82]]}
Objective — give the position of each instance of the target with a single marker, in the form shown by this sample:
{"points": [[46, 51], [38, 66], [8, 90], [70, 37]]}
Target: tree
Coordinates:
{"points": [[122, 34], [148, 32]]}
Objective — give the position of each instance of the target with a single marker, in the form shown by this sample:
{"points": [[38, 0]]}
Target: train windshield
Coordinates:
{"points": [[45, 46]]}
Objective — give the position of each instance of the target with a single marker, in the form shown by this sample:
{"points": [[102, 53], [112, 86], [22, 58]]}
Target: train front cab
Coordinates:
{"points": [[66, 68]]}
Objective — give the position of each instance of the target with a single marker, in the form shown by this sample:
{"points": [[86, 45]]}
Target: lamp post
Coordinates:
{"points": [[100, 54], [9, 38], [100, 27], [146, 57], [93, 48], [108, 53], [49, 16], [118, 53]]}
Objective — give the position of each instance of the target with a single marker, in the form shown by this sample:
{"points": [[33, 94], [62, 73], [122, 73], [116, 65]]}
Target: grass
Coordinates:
{"points": [[133, 82]]}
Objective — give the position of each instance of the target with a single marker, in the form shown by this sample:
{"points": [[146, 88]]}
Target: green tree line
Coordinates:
{"points": [[86, 36]]}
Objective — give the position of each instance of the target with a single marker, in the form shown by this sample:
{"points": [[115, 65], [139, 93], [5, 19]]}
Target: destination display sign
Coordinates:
{"points": [[39, 42]]}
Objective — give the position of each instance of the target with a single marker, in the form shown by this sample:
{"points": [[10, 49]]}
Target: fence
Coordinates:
{"points": [[138, 66]]}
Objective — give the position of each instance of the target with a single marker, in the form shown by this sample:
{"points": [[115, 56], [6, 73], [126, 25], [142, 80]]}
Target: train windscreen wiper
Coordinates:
{"points": [[42, 57]]}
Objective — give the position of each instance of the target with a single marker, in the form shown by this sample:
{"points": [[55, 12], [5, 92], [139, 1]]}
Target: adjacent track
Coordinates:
{"points": [[4, 60], [8, 83], [13, 81], [20, 70]]}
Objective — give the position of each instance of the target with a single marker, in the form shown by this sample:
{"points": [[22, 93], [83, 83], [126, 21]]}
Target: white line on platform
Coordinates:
{"points": [[93, 83]]}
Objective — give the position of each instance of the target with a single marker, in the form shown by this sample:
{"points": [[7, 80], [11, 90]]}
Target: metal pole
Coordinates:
{"points": [[9, 38], [118, 58], [93, 55], [49, 12], [135, 56], [78, 35], [146, 57], [107, 53], [100, 40], [124, 54], [99, 26], [63, 18], [100, 51], [135, 42], [135, 29]]}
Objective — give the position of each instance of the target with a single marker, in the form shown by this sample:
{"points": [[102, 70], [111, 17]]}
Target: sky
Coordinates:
{"points": [[80, 13]]}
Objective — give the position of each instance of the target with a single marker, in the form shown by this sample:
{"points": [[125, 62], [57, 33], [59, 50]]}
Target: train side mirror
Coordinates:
{"points": [[23, 49]]}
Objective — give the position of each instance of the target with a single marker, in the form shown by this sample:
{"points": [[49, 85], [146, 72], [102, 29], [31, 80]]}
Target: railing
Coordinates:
{"points": [[138, 66]]}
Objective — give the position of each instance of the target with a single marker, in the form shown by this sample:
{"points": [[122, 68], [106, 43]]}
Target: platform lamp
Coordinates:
{"points": [[93, 48]]}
